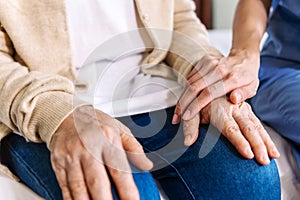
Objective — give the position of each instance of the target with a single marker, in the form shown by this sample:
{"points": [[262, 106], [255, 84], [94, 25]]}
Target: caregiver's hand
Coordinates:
{"points": [[88, 146], [238, 123], [214, 77]]}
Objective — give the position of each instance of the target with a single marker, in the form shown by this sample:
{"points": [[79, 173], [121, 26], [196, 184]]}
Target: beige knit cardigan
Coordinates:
{"points": [[37, 76]]}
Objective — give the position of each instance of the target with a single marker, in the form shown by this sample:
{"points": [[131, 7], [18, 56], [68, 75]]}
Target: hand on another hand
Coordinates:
{"points": [[214, 77], [88, 146], [239, 125]]}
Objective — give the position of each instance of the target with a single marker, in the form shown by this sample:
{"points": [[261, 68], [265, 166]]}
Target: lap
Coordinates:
{"points": [[222, 174], [277, 101], [31, 163]]}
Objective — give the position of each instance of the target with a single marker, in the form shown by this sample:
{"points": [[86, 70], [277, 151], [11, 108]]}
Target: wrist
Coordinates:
{"points": [[250, 53]]}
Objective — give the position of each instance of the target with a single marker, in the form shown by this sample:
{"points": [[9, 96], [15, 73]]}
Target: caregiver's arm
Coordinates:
{"points": [[236, 74], [248, 29]]}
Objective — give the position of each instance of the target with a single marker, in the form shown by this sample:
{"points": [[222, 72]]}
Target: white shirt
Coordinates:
{"points": [[101, 31]]}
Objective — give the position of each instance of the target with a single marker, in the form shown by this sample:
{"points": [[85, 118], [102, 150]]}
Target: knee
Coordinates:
{"points": [[249, 179]]}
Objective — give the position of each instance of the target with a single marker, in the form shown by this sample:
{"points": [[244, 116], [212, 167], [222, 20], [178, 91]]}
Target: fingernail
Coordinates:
{"points": [[265, 158], [186, 115], [249, 152], [275, 152], [238, 97], [150, 164], [175, 119], [187, 140]]}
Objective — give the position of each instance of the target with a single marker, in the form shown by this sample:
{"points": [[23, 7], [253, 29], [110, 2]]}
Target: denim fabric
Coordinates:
{"points": [[31, 162], [222, 174], [277, 101]]}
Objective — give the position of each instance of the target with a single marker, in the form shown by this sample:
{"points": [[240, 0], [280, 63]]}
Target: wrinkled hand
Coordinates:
{"points": [[87, 146], [214, 77], [239, 125]]}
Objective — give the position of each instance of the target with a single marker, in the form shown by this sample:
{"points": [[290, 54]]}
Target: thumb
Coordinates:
{"points": [[243, 93], [191, 130]]}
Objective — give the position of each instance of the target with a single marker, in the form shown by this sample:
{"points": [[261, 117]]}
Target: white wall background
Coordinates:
{"points": [[223, 12]]}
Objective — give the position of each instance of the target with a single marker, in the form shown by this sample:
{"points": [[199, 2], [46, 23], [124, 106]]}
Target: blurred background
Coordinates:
{"points": [[223, 12], [216, 14]]}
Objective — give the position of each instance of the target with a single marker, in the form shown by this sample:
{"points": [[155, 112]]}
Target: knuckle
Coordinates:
{"points": [[230, 131], [249, 129], [258, 127], [206, 95], [194, 89], [234, 78], [221, 70], [259, 146], [92, 182], [116, 173], [110, 133], [242, 146], [58, 160], [77, 185]]}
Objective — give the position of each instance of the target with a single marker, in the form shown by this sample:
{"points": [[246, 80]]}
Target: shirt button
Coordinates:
{"points": [[145, 17]]}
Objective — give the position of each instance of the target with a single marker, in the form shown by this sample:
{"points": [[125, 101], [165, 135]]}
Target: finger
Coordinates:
{"points": [[177, 113], [205, 114], [76, 181], [206, 96], [214, 91], [120, 171], [96, 178], [191, 130], [197, 73], [206, 69], [250, 132], [231, 131], [271, 148], [187, 97], [135, 152], [242, 93], [196, 87], [61, 176], [204, 66], [218, 73], [133, 148]]}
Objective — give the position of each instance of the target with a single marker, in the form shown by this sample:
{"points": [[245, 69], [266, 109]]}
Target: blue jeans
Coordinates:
{"points": [[277, 102], [222, 174]]}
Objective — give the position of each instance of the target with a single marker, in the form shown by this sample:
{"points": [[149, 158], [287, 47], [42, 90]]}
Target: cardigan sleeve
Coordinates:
{"points": [[33, 104], [190, 39]]}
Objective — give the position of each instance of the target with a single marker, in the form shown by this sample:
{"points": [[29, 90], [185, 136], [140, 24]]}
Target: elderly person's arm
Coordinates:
{"points": [[39, 106], [27, 96]]}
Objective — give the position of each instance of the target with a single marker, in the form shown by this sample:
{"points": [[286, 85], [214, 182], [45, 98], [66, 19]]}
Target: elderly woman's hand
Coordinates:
{"points": [[88, 148], [239, 125]]}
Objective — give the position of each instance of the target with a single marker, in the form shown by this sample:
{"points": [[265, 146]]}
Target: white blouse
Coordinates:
{"points": [[107, 51]]}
